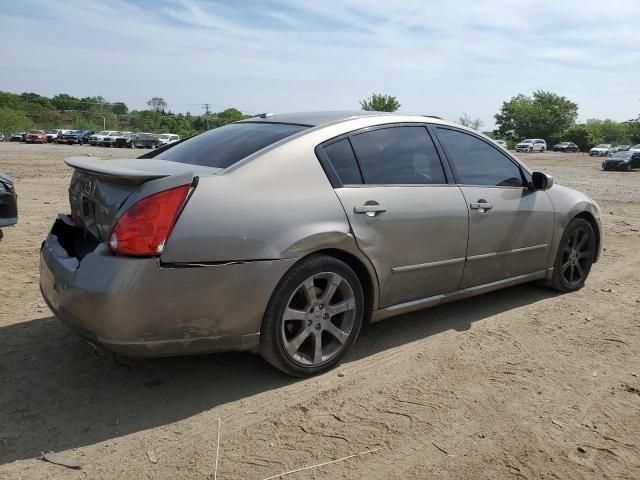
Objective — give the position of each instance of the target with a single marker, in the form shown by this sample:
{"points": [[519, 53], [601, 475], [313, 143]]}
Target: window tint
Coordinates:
{"points": [[398, 155], [477, 162], [224, 146], [344, 162]]}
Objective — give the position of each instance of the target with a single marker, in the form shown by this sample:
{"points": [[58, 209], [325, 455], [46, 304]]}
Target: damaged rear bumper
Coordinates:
{"points": [[139, 307]]}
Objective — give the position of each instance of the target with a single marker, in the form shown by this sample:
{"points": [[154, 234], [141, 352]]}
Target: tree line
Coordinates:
{"points": [[25, 111], [541, 115]]}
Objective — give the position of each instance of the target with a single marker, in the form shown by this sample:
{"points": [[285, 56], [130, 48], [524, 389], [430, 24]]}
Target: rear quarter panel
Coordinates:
{"points": [[278, 205]]}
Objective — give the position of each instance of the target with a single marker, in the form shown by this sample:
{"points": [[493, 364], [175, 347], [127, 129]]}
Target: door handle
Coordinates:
{"points": [[369, 210], [481, 205]]}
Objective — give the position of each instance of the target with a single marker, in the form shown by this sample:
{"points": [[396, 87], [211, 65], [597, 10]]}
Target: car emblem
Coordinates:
{"points": [[89, 186]]}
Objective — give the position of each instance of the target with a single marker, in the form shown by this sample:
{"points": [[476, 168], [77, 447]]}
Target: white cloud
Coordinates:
{"points": [[286, 55]]}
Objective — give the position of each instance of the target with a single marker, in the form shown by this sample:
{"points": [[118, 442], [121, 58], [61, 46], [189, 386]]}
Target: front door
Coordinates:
{"points": [[510, 225], [406, 218]]}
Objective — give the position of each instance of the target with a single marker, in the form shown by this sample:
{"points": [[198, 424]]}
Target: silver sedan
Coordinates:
{"points": [[284, 234]]}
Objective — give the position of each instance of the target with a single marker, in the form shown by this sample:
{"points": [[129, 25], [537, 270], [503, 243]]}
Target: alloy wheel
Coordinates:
{"points": [[318, 319], [576, 257]]}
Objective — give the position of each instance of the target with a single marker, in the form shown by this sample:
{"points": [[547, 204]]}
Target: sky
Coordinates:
{"points": [[440, 58]]}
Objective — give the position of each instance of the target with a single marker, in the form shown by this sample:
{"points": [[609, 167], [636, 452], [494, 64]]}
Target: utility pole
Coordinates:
{"points": [[206, 106]]}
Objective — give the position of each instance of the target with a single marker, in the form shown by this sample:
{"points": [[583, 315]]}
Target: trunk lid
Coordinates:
{"points": [[101, 190]]}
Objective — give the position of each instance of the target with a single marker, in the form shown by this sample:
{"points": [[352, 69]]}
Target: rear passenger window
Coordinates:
{"points": [[344, 162], [398, 155], [477, 162]]}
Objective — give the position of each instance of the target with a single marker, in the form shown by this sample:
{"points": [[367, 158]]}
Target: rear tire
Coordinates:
{"points": [[574, 257], [313, 318]]}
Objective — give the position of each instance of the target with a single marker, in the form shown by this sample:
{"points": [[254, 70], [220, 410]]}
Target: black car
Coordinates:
{"points": [[622, 161], [565, 147], [71, 137], [145, 140], [8, 203]]}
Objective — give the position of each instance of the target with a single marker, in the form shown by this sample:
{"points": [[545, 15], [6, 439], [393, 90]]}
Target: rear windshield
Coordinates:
{"points": [[224, 146]]}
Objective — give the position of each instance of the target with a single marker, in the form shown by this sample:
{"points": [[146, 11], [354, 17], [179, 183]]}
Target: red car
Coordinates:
{"points": [[35, 136]]}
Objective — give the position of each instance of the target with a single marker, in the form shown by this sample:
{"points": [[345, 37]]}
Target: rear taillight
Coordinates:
{"points": [[145, 227]]}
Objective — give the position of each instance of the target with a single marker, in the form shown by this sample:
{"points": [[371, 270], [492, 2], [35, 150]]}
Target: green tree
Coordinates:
{"points": [[62, 101], [119, 108], [157, 104], [380, 103], [12, 121], [581, 136], [467, 121], [543, 115]]}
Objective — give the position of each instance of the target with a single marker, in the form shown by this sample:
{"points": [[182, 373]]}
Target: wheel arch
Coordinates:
{"points": [[596, 230], [366, 274]]}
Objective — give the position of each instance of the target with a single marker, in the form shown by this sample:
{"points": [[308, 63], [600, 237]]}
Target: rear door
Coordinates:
{"points": [[406, 217], [510, 225]]}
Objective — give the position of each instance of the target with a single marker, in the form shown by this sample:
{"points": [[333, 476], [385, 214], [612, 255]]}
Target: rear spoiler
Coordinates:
{"points": [[118, 170]]}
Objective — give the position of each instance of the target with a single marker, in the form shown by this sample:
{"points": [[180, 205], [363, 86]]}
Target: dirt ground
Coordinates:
{"points": [[519, 383]]}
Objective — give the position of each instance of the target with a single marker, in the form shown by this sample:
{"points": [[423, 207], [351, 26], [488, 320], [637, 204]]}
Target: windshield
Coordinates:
{"points": [[636, 147], [224, 146], [603, 145], [52, 131], [115, 134], [164, 136], [528, 140], [103, 132]]}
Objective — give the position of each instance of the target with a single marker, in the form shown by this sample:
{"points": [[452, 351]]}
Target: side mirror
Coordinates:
{"points": [[541, 181]]}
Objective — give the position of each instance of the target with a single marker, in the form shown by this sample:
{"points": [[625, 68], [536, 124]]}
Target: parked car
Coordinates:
{"points": [[325, 220], [97, 138], [1, 137], [602, 150], [53, 134], [635, 148], [145, 140], [36, 136], [86, 136], [17, 137], [532, 145], [123, 140], [8, 202], [71, 137], [110, 140], [566, 147], [623, 148], [167, 138], [624, 160], [502, 143]]}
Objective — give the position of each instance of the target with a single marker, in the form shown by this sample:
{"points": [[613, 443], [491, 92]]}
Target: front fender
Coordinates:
{"points": [[568, 204]]}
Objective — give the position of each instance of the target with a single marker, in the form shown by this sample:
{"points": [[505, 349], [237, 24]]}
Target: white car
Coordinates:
{"points": [[98, 138], [502, 143], [167, 138], [531, 145], [53, 134], [602, 150], [635, 148]]}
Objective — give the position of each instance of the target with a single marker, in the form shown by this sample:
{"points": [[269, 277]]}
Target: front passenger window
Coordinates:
{"points": [[477, 162]]}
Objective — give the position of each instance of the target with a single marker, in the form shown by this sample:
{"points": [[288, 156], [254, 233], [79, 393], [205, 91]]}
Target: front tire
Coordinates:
{"points": [[313, 318], [574, 257]]}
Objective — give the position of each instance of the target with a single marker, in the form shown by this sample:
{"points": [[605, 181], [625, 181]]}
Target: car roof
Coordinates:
{"points": [[316, 119]]}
